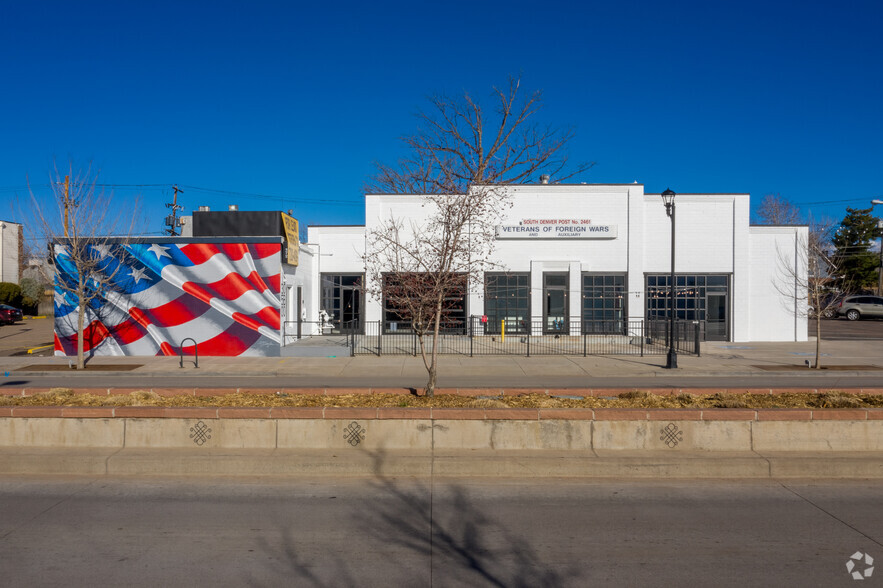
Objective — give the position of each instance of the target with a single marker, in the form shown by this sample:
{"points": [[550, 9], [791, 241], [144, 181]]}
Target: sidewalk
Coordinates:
{"points": [[725, 365]]}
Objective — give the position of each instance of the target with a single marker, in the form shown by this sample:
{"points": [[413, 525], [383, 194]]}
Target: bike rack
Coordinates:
{"points": [[195, 352]]}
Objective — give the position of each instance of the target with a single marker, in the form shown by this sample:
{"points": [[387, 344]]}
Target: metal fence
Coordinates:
{"points": [[302, 329], [473, 337]]}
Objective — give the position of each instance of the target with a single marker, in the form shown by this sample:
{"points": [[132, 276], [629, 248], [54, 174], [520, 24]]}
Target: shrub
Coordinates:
{"points": [[31, 288], [31, 294], [10, 294]]}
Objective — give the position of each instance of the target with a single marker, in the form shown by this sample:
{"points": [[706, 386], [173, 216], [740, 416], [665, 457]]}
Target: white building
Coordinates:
{"points": [[594, 253], [10, 251]]}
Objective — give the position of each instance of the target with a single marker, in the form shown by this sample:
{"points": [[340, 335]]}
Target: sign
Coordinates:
{"points": [[562, 228], [292, 238]]}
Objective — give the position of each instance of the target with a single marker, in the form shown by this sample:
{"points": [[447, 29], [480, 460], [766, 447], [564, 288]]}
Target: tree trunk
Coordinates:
{"points": [[433, 366], [421, 338], [81, 364], [818, 340], [430, 384]]}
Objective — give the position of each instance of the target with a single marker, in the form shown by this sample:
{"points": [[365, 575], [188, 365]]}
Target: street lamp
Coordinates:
{"points": [[668, 197], [880, 227]]}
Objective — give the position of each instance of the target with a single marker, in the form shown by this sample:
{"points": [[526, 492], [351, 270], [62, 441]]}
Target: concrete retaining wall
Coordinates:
{"points": [[447, 429]]}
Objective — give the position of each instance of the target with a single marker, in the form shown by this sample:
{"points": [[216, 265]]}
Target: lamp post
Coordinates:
{"points": [[880, 227], [668, 197]]}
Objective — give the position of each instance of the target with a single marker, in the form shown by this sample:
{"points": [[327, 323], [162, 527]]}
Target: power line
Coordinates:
{"points": [[840, 201], [19, 188], [201, 189], [270, 196], [141, 234], [132, 185]]}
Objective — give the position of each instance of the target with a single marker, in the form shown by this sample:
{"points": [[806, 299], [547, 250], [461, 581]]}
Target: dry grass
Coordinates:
{"points": [[630, 399]]}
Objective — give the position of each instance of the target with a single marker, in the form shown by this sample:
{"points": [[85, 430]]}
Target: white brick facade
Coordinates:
{"points": [[713, 237]]}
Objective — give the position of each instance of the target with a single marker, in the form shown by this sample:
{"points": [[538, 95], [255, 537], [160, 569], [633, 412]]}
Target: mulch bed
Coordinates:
{"points": [[98, 367], [833, 368], [631, 399]]}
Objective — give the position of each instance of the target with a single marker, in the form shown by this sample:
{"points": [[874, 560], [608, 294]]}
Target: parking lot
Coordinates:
{"points": [[27, 334], [841, 329]]}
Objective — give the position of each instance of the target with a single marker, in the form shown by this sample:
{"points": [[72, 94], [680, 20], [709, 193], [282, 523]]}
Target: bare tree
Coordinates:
{"points": [[459, 144], [460, 160], [423, 270], [86, 239], [775, 210], [805, 276]]}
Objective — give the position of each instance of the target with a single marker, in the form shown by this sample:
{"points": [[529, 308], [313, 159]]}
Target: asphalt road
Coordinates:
{"points": [[386, 532]]}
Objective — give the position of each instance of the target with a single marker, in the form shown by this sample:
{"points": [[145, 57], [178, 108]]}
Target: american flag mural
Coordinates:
{"points": [[153, 296]]}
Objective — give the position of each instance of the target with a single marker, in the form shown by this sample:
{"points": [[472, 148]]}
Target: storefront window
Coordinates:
{"points": [[698, 297], [507, 298], [603, 303], [407, 298]]}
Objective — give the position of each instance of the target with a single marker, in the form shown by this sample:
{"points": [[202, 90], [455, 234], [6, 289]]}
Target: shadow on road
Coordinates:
{"points": [[438, 534], [461, 539], [303, 570]]}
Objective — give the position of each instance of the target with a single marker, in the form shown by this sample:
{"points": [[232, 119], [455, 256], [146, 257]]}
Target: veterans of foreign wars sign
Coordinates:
{"points": [[556, 229]]}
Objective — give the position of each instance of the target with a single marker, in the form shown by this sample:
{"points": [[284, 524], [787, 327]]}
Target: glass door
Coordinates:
{"points": [[350, 311], [716, 317], [555, 303], [342, 301]]}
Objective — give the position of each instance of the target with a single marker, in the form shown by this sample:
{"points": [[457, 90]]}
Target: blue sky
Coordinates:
{"points": [[295, 101]]}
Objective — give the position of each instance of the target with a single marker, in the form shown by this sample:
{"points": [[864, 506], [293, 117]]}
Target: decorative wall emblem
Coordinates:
{"points": [[200, 433], [354, 434], [671, 435]]}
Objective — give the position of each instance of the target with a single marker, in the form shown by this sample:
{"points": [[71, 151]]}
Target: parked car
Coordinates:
{"points": [[9, 315], [829, 305], [861, 306]]}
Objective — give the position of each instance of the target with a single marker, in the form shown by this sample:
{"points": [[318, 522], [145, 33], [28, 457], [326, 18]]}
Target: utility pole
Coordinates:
{"points": [[67, 195], [874, 203], [171, 220]]}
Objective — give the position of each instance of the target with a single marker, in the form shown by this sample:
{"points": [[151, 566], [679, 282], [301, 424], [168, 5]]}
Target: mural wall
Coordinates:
{"points": [[150, 297]]}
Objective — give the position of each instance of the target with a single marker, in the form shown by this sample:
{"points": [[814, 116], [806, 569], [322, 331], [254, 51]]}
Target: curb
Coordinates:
{"points": [[585, 465], [436, 413], [484, 392]]}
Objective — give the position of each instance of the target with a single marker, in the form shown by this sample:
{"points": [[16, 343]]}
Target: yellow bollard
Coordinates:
{"points": [[503, 331]]}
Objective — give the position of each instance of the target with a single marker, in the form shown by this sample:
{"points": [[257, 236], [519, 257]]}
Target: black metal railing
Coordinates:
{"points": [[302, 329], [687, 334], [473, 336]]}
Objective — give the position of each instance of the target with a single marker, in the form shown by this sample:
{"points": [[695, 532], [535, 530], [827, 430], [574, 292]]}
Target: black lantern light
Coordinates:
{"points": [[668, 197]]}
